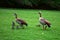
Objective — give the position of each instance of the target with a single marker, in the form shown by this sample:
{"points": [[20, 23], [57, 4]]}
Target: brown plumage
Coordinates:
{"points": [[44, 21], [20, 21]]}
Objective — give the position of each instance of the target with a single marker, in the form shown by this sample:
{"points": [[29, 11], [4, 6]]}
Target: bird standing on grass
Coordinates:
{"points": [[20, 21], [44, 22]]}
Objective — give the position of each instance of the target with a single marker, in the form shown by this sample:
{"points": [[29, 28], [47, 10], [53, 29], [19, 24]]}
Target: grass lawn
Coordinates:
{"points": [[31, 32]]}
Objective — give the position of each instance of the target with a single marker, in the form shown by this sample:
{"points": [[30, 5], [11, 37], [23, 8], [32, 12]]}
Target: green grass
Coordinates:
{"points": [[31, 32]]}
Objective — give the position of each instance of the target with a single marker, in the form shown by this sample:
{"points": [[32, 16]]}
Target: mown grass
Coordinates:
{"points": [[31, 32]]}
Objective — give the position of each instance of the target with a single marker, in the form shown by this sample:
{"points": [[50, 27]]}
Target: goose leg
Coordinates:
{"points": [[43, 27], [13, 24]]}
